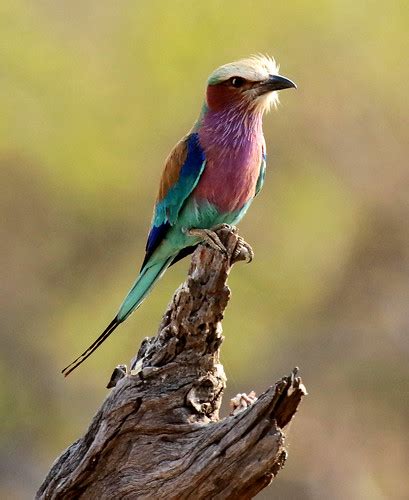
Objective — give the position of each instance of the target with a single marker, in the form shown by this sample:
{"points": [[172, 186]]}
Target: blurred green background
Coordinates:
{"points": [[93, 95]]}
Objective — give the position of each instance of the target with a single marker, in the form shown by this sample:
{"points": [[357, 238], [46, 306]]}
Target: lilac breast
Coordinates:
{"points": [[233, 149]]}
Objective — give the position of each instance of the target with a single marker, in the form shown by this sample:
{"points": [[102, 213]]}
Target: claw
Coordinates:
{"points": [[249, 252]]}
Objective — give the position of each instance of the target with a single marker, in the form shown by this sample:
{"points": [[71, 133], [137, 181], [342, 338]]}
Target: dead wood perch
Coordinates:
{"points": [[158, 433]]}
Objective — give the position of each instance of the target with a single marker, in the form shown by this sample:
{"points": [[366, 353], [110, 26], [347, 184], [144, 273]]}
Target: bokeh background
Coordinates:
{"points": [[93, 94]]}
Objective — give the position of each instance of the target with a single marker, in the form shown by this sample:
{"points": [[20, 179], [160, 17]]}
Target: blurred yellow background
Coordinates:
{"points": [[93, 95]]}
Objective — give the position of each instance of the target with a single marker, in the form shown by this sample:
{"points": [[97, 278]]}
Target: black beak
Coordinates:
{"points": [[276, 82]]}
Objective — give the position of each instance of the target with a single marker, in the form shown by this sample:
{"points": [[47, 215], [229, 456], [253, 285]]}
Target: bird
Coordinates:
{"points": [[210, 177]]}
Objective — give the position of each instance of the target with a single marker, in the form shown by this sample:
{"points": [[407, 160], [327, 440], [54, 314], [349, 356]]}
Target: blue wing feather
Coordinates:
{"points": [[167, 209], [155, 236]]}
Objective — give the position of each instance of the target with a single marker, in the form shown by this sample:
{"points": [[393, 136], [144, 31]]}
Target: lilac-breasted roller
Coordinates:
{"points": [[211, 176]]}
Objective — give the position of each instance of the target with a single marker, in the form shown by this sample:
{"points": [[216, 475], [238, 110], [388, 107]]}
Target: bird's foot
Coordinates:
{"points": [[243, 251], [209, 237], [229, 227]]}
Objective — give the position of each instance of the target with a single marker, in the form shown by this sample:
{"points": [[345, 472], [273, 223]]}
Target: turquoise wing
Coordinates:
{"points": [[182, 172]]}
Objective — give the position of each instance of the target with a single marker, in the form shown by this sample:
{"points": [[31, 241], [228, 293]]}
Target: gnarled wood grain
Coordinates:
{"points": [[158, 433]]}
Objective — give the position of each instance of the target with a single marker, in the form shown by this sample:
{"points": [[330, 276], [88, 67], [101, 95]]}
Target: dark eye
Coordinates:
{"points": [[237, 81]]}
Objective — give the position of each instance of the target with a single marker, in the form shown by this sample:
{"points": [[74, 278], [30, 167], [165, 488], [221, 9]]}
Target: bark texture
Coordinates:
{"points": [[158, 433]]}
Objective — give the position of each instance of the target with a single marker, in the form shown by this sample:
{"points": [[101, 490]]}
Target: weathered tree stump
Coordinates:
{"points": [[158, 433]]}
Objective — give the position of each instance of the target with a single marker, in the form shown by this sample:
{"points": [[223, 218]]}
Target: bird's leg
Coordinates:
{"points": [[210, 237], [242, 245]]}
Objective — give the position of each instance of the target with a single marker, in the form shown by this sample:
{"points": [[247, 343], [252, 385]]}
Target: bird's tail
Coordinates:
{"points": [[142, 286], [104, 335], [136, 295]]}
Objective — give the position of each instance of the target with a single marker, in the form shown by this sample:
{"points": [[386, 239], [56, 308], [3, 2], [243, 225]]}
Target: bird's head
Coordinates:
{"points": [[249, 83]]}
